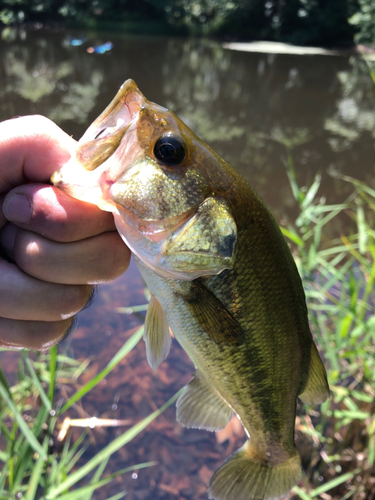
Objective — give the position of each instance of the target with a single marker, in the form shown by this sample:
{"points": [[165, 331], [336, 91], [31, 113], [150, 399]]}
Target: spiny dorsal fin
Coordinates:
{"points": [[213, 316], [202, 407], [157, 337], [317, 388]]}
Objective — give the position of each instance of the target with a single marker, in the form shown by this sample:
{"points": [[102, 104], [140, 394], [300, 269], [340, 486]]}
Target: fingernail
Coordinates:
{"points": [[7, 238], [17, 208]]}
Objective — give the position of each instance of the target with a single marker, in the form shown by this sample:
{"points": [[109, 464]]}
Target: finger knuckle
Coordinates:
{"points": [[74, 299]]}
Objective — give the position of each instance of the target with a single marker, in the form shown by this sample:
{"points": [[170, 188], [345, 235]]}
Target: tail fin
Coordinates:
{"points": [[243, 478]]}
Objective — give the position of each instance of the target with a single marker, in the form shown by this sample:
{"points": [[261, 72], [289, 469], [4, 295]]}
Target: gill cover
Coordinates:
{"points": [[205, 244]]}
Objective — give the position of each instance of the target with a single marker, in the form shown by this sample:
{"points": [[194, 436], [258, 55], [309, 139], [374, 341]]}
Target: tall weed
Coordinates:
{"points": [[36, 461], [337, 443]]}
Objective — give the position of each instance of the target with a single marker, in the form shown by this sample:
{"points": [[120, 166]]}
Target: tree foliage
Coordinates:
{"points": [[364, 20], [332, 23]]}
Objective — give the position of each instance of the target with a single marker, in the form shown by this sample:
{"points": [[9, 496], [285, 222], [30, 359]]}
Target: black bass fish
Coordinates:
{"points": [[221, 275]]}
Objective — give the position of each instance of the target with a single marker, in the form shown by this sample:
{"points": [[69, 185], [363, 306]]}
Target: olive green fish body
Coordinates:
{"points": [[260, 378], [221, 276]]}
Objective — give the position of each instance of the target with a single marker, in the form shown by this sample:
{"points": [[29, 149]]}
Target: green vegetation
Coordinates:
{"points": [[337, 442], [37, 459], [364, 20], [304, 22]]}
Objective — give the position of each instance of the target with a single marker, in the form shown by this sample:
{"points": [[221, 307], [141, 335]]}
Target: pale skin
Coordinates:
{"points": [[58, 247]]}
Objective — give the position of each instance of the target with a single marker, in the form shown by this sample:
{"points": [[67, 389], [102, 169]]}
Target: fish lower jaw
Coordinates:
{"points": [[157, 229]]}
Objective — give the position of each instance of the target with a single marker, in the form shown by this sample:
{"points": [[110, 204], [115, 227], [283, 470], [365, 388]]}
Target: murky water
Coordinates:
{"points": [[252, 109]]}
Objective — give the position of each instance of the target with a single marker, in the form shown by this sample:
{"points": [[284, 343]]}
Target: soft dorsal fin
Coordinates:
{"points": [[157, 337], [317, 388], [202, 407], [213, 316]]}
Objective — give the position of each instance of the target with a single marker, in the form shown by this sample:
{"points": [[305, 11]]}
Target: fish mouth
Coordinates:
{"points": [[81, 177], [103, 136]]}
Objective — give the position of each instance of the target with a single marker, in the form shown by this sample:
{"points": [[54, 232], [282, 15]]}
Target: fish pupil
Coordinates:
{"points": [[170, 150]]}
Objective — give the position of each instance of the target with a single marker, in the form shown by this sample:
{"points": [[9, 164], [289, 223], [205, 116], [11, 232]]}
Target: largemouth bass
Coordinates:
{"points": [[221, 275]]}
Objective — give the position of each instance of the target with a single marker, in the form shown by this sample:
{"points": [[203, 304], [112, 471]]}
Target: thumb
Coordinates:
{"points": [[31, 149]]}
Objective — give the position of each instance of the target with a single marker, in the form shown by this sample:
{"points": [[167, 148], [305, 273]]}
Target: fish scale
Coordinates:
{"points": [[221, 275]]}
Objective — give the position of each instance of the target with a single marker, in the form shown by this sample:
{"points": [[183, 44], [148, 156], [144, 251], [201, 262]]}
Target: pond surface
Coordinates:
{"points": [[252, 109]]}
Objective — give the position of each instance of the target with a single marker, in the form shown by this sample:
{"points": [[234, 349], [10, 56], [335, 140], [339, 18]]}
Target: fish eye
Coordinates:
{"points": [[170, 150], [100, 133]]}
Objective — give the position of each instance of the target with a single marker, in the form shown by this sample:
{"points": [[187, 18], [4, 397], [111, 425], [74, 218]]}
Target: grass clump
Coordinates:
{"points": [[36, 460], [337, 443]]}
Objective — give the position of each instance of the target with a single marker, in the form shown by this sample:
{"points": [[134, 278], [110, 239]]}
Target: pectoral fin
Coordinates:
{"points": [[317, 389], [157, 337], [202, 407], [205, 244], [213, 316]]}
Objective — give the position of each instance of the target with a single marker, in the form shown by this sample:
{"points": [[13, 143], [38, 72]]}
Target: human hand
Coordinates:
{"points": [[58, 247]]}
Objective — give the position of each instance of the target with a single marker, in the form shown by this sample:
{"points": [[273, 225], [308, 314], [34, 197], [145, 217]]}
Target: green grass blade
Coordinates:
{"points": [[297, 490], [36, 474], [310, 195], [25, 451], [52, 366], [4, 475], [5, 495], [333, 483], [297, 193], [292, 236], [362, 232], [110, 449], [349, 494], [96, 477], [77, 494], [371, 451], [75, 454], [122, 494], [89, 489], [4, 382], [125, 349], [92, 487], [132, 309], [21, 423], [38, 385]]}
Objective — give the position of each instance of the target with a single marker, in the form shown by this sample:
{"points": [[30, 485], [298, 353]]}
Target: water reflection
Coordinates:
{"points": [[354, 115], [245, 105]]}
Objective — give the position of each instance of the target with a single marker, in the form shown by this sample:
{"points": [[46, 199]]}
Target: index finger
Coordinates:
{"points": [[31, 149]]}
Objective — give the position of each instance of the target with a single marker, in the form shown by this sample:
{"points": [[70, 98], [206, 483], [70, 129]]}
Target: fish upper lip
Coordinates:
{"points": [[119, 114]]}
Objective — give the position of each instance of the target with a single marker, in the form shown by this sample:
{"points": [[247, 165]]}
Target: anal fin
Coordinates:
{"points": [[202, 407], [157, 336], [317, 388]]}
